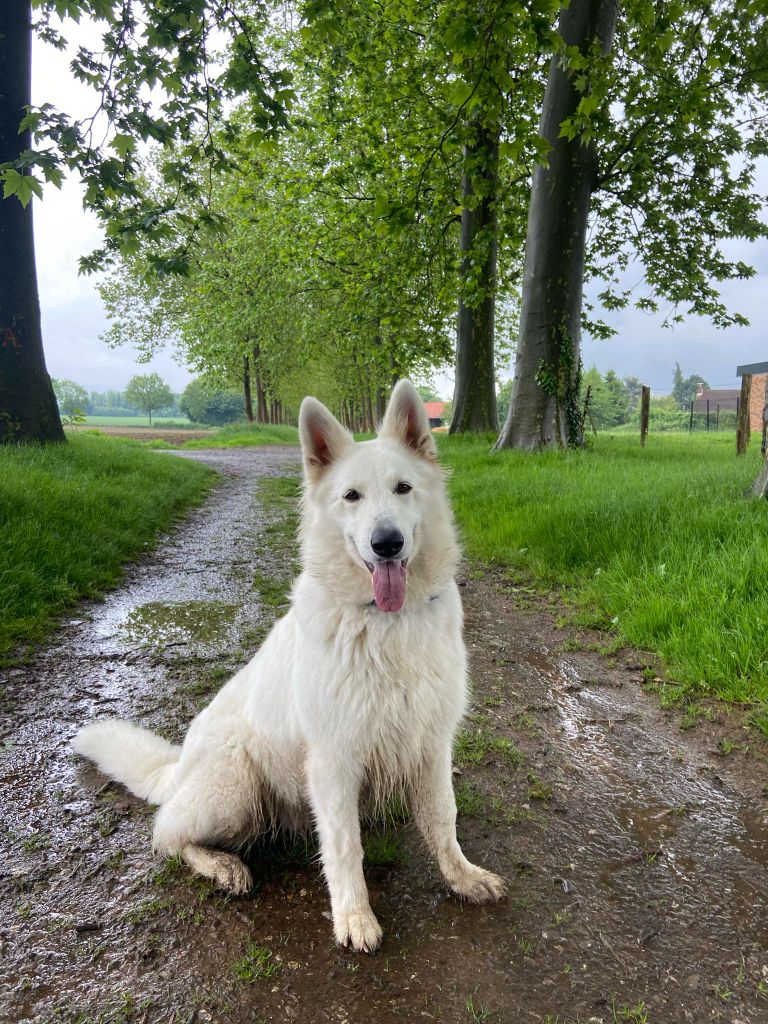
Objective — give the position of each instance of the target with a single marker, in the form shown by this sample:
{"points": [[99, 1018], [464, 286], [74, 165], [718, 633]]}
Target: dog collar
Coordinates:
{"points": [[372, 604]]}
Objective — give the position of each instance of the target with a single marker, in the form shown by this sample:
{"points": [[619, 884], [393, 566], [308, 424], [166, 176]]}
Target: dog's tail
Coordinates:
{"points": [[142, 761]]}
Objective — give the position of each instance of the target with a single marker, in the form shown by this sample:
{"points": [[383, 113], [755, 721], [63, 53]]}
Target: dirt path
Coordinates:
{"points": [[636, 851]]}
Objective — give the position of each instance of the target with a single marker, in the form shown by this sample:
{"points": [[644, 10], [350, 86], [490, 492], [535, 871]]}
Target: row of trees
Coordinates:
{"points": [[609, 400], [73, 398], [398, 185], [613, 400], [148, 393]]}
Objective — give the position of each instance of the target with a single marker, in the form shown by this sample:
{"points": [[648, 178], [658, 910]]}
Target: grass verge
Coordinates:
{"points": [[244, 435], [71, 515], [658, 544]]}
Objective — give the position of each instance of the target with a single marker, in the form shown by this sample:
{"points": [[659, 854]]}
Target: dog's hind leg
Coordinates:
{"points": [[216, 805], [435, 810], [225, 869]]}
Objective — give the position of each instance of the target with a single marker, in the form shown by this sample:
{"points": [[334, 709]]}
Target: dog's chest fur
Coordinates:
{"points": [[393, 686]]}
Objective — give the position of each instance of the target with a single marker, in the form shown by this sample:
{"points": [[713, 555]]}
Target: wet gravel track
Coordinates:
{"points": [[636, 851]]}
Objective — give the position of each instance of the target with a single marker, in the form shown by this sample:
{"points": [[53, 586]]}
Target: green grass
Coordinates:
{"points": [[383, 850], [244, 435], [72, 515], [473, 745], [256, 963], [658, 544]]}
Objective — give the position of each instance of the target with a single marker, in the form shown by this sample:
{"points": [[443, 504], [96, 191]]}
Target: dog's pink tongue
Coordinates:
{"points": [[389, 585]]}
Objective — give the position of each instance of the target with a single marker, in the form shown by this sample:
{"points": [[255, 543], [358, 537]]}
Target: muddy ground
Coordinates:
{"points": [[635, 848]]}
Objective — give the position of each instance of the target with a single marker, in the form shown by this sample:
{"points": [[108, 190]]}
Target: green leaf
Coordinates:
{"points": [[23, 186], [123, 145]]}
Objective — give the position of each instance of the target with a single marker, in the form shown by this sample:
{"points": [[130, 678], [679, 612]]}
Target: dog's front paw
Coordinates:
{"points": [[479, 886], [358, 929]]}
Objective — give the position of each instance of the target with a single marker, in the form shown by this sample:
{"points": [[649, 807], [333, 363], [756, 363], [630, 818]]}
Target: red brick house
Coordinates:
{"points": [[728, 398], [758, 394], [435, 413], [725, 398]]}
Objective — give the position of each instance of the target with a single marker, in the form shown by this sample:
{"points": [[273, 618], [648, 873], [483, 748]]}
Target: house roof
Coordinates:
{"points": [[435, 410], [726, 398]]}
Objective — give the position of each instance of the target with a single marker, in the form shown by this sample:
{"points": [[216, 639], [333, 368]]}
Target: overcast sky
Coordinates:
{"points": [[72, 311], [74, 317]]}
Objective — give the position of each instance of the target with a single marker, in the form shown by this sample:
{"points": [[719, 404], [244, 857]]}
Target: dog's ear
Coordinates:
{"points": [[323, 438], [406, 421]]}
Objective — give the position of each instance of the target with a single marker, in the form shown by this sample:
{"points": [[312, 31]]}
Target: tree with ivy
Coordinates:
{"points": [[655, 120], [158, 78]]}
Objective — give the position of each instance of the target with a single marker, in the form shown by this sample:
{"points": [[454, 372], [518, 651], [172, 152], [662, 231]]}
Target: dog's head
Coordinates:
{"points": [[368, 504]]}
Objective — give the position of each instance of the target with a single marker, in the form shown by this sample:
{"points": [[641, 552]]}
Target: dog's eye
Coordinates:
{"points": [[403, 488], [352, 495]]}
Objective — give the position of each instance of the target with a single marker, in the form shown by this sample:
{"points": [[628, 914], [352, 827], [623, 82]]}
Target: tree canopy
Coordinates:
{"points": [[341, 193], [167, 73], [72, 397], [148, 392], [684, 389]]}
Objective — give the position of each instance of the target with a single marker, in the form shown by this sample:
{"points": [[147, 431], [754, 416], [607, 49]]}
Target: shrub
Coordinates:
{"points": [[203, 403]]}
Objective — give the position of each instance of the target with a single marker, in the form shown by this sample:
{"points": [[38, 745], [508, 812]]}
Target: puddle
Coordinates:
{"points": [[160, 624], [651, 826]]}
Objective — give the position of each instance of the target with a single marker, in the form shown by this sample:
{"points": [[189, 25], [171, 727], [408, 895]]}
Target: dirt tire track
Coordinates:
{"points": [[636, 851]]}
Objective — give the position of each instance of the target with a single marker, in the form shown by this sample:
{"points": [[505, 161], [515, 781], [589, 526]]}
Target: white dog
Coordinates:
{"points": [[357, 692]]}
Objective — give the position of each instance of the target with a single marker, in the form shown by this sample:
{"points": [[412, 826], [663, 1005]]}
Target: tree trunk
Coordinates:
{"points": [[28, 409], [474, 398], [369, 409], [544, 410], [759, 488], [247, 389], [261, 397], [743, 425]]}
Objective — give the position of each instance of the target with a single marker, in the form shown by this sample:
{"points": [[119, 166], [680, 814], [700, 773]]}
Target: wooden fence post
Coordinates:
{"points": [[690, 422], [645, 413], [742, 417], [707, 414], [586, 413]]}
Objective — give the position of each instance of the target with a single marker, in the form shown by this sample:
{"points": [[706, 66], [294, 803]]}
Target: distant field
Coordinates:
{"points": [[658, 544], [165, 433], [137, 421]]}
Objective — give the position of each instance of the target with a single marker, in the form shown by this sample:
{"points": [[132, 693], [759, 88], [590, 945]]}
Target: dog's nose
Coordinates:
{"points": [[387, 541]]}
